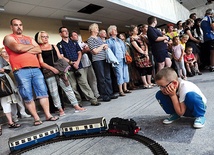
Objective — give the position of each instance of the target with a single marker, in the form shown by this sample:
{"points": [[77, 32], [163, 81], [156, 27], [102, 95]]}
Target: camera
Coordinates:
{"points": [[77, 73]]}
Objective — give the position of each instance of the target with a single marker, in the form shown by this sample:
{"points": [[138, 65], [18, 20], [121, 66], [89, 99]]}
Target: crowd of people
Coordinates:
{"points": [[99, 63]]}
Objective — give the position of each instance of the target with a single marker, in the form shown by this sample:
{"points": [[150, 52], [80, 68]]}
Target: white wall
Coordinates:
{"points": [[169, 10], [31, 26], [200, 12]]}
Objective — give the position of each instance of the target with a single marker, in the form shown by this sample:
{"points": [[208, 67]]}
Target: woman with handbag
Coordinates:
{"points": [[7, 92], [121, 70], [20, 106], [50, 54]]}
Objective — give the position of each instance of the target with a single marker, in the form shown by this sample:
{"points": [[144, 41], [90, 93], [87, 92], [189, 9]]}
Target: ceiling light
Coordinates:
{"points": [[81, 20], [1, 8]]}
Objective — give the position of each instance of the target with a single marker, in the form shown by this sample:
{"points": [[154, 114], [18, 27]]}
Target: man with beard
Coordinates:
{"points": [[23, 52]]}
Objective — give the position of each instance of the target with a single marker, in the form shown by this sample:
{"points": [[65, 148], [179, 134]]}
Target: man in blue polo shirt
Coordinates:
{"points": [[72, 53]]}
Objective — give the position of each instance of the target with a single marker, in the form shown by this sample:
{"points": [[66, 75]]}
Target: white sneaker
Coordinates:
{"points": [[25, 116]]}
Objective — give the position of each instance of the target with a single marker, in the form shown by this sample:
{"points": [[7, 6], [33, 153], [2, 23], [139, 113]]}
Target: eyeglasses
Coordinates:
{"points": [[164, 87], [44, 36]]}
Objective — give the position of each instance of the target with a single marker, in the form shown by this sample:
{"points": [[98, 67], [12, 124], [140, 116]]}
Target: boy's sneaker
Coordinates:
{"points": [[171, 119], [199, 122]]}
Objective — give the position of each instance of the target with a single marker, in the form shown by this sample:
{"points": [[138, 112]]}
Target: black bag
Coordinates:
{"points": [[77, 73], [47, 73], [5, 88]]}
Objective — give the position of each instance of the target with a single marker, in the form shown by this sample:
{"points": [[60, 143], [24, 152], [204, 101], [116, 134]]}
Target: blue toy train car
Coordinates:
{"points": [[89, 126], [31, 138]]}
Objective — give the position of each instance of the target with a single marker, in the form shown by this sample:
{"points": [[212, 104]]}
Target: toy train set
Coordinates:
{"points": [[117, 126]]}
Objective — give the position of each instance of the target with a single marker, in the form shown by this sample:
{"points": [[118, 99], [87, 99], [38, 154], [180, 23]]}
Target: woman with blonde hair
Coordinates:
{"points": [[50, 54], [101, 67]]}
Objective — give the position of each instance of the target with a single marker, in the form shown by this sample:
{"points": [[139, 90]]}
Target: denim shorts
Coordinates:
{"points": [[30, 79]]}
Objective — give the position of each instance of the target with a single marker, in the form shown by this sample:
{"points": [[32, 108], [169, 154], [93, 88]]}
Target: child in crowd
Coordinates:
{"points": [[183, 40], [179, 98], [178, 53], [191, 62]]}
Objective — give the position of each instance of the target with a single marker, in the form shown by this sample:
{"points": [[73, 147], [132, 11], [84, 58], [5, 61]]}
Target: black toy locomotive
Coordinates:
{"points": [[125, 126], [83, 127]]}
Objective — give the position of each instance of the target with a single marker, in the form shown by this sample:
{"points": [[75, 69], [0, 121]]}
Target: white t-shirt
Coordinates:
{"points": [[187, 86], [84, 60], [177, 50]]}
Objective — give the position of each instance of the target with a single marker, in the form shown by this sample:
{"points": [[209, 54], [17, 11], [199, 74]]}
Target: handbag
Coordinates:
{"points": [[128, 59], [47, 73], [61, 64], [5, 88]]}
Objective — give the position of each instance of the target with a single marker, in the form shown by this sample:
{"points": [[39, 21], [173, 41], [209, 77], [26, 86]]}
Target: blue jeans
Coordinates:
{"points": [[103, 75], [30, 79], [195, 107]]}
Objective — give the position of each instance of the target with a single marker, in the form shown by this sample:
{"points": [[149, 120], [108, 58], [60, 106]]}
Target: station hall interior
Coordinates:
{"points": [[49, 15]]}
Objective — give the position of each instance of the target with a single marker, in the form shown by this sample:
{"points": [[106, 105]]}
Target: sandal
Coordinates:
{"points": [[121, 94], [14, 125], [37, 122], [147, 87], [153, 84], [127, 91], [52, 118]]}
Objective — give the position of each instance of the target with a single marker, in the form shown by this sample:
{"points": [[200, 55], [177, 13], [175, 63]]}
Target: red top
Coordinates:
{"points": [[21, 60], [189, 57]]}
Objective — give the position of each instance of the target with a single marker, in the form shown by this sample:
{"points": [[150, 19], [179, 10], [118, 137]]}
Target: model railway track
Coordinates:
{"points": [[156, 148]]}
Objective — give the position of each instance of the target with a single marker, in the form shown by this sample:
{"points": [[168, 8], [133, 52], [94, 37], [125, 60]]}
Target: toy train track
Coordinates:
{"points": [[156, 148]]}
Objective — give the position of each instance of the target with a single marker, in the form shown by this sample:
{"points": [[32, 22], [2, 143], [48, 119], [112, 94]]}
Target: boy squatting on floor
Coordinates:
{"points": [[179, 98]]}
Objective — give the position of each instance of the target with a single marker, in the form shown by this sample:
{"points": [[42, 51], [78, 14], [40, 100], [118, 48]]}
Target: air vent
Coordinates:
{"points": [[91, 8]]}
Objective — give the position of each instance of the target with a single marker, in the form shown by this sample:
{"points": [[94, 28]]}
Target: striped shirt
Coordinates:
{"points": [[95, 43]]}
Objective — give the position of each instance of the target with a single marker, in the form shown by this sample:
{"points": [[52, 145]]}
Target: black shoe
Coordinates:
{"points": [[100, 97], [114, 97], [106, 99], [190, 74], [199, 73], [211, 69], [96, 104]]}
